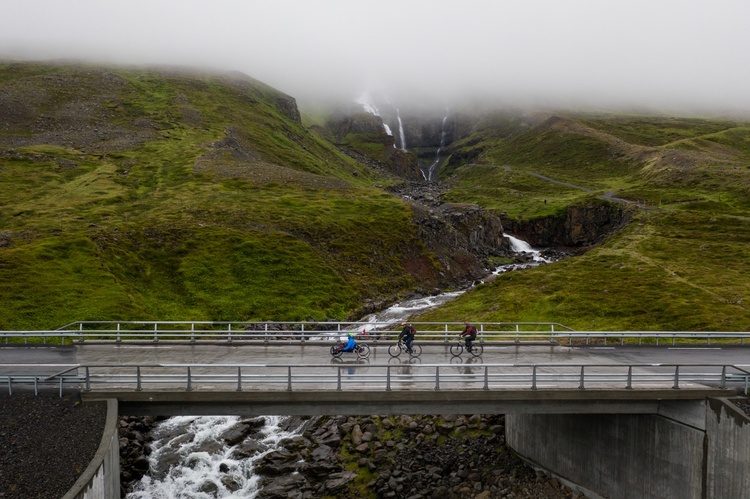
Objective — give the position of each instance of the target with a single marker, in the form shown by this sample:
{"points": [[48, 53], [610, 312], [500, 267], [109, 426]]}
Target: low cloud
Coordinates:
{"points": [[668, 54]]}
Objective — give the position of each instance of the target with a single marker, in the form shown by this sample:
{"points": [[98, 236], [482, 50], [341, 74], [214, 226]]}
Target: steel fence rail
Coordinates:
{"points": [[338, 376], [658, 336], [301, 332]]}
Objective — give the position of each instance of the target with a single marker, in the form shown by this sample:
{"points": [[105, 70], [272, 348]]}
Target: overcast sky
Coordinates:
{"points": [[632, 52]]}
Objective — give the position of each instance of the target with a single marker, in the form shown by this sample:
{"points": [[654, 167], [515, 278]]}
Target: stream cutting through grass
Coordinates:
{"points": [[195, 457]]}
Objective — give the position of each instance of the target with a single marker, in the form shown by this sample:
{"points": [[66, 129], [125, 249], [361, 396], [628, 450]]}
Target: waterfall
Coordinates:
{"points": [[430, 175], [365, 101], [519, 246], [401, 133]]}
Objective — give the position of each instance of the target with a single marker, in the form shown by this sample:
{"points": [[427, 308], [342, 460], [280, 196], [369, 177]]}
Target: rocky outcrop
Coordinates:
{"points": [[359, 123], [459, 238], [578, 227]]}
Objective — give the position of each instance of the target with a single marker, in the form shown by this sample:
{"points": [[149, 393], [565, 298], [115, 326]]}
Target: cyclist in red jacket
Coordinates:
{"points": [[470, 333]]}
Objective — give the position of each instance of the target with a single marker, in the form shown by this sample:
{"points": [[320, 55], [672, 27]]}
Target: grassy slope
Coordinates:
{"points": [[223, 209], [682, 264]]}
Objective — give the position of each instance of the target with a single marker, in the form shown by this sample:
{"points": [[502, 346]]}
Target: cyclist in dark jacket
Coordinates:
{"points": [[407, 335], [470, 333]]}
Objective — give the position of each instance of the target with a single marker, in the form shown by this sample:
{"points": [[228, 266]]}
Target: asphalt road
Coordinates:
{"points": [[50, 359]]}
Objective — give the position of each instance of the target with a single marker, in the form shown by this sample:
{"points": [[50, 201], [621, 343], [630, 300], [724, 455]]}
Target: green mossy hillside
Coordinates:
{"points": [[681, 264], [160, 193]]}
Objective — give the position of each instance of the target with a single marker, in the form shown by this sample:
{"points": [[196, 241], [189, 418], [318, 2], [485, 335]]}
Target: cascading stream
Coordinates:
{"points": [[189, 458]]}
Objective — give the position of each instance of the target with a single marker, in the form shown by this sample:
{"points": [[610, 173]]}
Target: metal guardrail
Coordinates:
{"points": [[658, 336], [212, 331], [201, 331], [337, 376]]}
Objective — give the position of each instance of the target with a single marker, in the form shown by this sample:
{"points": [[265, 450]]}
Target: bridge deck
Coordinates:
{"points": [[364, 402]]}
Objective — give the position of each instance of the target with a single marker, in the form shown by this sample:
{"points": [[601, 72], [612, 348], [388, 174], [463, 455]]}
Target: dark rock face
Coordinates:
{"points": [[461, 237], [359, 123], [370, 129], [579, 226]]}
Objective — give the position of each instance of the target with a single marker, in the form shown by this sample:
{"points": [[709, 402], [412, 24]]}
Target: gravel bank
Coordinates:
{"points": [[46, 442]]}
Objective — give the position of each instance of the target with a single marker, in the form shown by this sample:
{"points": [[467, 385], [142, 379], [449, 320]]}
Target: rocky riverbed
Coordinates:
{"points": [[379, 456]]}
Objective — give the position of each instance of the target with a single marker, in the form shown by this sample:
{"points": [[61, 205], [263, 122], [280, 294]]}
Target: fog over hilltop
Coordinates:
{"points": [[661, 55]]}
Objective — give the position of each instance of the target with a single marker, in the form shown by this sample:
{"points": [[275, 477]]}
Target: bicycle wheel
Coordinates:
{"points": [[477, 349], [457, 349], [336, 352], [394, 350], [364, 351], [416, 350]]}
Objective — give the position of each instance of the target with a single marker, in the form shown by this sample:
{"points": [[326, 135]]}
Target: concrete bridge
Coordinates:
{"points": [[617, 418]]}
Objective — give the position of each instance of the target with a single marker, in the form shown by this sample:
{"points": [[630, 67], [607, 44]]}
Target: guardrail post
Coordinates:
{"points": [[88, 379], [486, 378], [138, 378], [239, 379], [289, 378], [265, 333], [630, 378], [388, 378], [581, 384], [533, 377], [338, 379], [302, 337], [723, 376], [437, 377], [61, 386], [156, 332], [189, 380], [192, 332], [445, 338], [708, 338], [229, 333], [118, 333], [10, 386], [676, 377], [80, 333], [517, 338]]}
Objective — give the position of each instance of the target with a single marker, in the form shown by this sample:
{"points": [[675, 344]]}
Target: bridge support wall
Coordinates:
{"points": [[671, 454], [101, 479]]}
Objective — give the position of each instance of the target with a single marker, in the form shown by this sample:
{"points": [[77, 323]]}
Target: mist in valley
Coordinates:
{"points": [[672, 56]]}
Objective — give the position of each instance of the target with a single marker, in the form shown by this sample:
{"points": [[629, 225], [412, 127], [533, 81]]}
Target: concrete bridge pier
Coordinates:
{"points": [[689, 449]]}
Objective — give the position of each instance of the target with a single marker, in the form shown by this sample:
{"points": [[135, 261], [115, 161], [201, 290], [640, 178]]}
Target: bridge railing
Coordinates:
{"points": [[375, 332], [212, 331], [655, 337], [362, 375]]}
